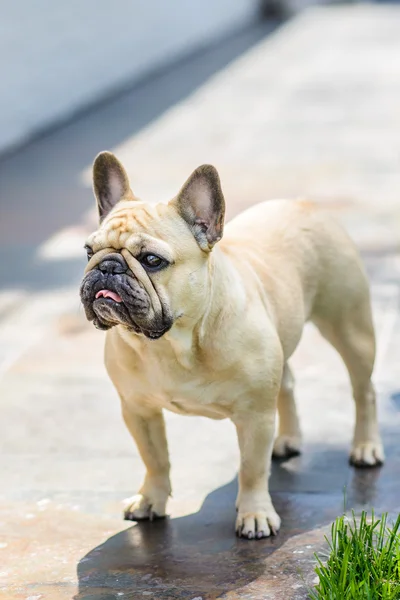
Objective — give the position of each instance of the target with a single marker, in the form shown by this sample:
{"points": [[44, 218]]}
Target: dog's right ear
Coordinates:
{"points": [[110, 183]]}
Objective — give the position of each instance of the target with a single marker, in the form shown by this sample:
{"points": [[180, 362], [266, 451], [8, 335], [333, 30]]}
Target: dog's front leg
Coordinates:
{"points": [[148, 431], [256, 516]]}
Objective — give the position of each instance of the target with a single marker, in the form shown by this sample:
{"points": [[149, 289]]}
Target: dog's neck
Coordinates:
{"points": [[191, 337]]}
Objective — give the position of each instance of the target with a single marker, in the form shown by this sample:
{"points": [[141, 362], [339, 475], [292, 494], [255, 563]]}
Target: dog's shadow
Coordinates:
{"points": [[198, 556], [181, 558]]}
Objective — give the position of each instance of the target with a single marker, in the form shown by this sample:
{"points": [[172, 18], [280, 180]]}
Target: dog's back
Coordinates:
{"points": [[306, 261]]}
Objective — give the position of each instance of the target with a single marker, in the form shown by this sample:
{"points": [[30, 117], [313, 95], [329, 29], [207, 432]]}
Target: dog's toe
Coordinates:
{"points": [[367, 454]]}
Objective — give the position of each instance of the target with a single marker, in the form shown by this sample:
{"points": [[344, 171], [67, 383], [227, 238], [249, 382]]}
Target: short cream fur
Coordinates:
{"points": [[238, 305]]}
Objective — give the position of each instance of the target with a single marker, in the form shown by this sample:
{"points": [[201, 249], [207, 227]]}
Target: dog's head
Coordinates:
{"points": [[149, 265]]}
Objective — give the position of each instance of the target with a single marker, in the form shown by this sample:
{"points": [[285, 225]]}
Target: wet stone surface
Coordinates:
{"points": [[183, 569]]}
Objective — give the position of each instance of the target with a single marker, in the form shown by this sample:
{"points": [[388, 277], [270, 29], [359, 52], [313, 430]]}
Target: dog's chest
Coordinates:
{"points": [[196, 392], [177, 380]]}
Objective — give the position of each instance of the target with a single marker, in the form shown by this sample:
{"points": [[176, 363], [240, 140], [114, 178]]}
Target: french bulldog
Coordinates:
{"points": [[202, 320]]}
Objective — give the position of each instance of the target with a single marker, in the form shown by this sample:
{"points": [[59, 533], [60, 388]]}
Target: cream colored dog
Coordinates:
{"points": [[206, 328]]}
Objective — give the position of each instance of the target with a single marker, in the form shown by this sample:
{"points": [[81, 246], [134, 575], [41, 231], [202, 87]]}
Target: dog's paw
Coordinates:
{"points": [[257, 525], [256, 517], [145, 507], [286, 446], [367, 454]]}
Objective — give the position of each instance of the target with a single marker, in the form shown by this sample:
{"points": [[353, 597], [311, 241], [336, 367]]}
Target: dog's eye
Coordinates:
{"points": [[152, 262], [89, 252]]}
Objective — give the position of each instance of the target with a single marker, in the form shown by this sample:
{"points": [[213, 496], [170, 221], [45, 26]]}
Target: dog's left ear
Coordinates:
{"points": [[201, 204], [110, 183]]}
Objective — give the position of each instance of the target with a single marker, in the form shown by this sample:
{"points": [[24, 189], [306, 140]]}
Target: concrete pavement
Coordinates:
{"points": [[312, 110]]}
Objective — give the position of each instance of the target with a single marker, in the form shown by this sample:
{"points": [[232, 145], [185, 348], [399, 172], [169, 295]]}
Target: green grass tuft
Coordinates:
{"points": [[363, 563]]}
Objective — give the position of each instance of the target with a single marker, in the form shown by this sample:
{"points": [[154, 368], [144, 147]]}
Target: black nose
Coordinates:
{"points": [[113, 264]]}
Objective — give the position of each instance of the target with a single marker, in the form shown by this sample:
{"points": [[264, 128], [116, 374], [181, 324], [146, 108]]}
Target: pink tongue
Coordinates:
{"points": [[108, 294]]}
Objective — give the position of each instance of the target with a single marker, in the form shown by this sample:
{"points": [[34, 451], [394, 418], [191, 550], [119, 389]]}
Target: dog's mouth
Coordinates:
{"points": [[114, 297], [111, 300]]}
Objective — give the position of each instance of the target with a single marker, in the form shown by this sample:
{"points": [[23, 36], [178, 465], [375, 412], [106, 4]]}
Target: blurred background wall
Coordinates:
{"points": [[59, 57]]}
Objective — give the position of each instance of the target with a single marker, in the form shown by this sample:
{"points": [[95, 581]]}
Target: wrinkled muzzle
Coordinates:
{"points": [[116, 290]]}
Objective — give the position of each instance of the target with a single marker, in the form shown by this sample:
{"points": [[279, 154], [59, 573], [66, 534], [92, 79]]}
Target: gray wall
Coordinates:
{"points": [[57, 56]]}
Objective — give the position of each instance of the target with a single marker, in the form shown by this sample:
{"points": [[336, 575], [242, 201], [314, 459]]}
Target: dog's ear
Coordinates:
{"points": [[110, 183], [201, 204]]}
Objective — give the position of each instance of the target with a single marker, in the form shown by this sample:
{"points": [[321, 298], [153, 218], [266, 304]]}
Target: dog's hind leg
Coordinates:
{"points": [[353, 337], [288, 440]]}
